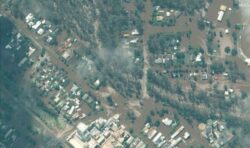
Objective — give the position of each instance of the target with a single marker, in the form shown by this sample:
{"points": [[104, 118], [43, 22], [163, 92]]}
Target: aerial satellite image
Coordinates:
{"points": [[124, 73]]}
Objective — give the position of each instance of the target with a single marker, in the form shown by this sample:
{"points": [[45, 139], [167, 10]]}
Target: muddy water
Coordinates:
{"points": [[245, 19], [236, 16]]}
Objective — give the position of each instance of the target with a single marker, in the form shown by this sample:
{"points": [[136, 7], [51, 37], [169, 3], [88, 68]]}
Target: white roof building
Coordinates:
{"points": [[29, 17], [71, 110], [167, 121], [134, 41], [159, 18], [247, 61], [49, 39], [37, 25], [31, 51], [220, 15], [177, 132], [135, 32], [76, 142], [226, 93], [66, 55], [198, 58], [22, 61], [40, 31], [97, 83], [168, 14], [226, 31], [186, 135], [43, 21], [30, 24], [81, 127], [157, 137], [175, 142], [151, 134]]}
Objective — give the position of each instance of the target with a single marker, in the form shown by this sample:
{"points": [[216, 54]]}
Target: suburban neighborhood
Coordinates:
{"points": [[124, 74]]}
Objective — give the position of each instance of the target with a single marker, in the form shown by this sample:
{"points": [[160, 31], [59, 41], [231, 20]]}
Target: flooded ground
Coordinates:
{"points": [[141, 111], [245, 20]]}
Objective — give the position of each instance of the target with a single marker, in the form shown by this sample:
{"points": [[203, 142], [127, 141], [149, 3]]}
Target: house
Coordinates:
{"points": [[37, 25], [156, 8], [216, 133], [220, 15], [159, 18], [66, 55], [104, 133], [231, 91], [97, 83], [175, 142], [247, 61], [49, 39], [225, 74], [157, 137], [168, 14], [198, 57], [134, 41], [227, 31], [30, 24], [40, 31], [135, 32], [186, 135], [82, 130], [43, 21], [160, 11], [177, 13], [203, 13], [177, 132], [22, 61], [221, 12], [152, 133], [160, 60], [29, 17], [125, 35], [204, 76], [76, 142], [167, 121], [141, 144], [71, 110], [57, 98], [223, 8], [31, 51]]}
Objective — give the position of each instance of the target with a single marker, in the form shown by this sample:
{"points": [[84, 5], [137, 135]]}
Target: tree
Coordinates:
{"points": [[234, 52], [217, 68], [180, 56], [236, 4], [243, 94], [113, 20], [227, 50], [110, 101], [131, 116], [140, 5], [131, 130], [201, 24], [193, 85], [185, 6], [237, 27], [158, 43], [228, 23], [152, 113], [235, 38], [148, 120], [157, 123], [162, 112]]}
